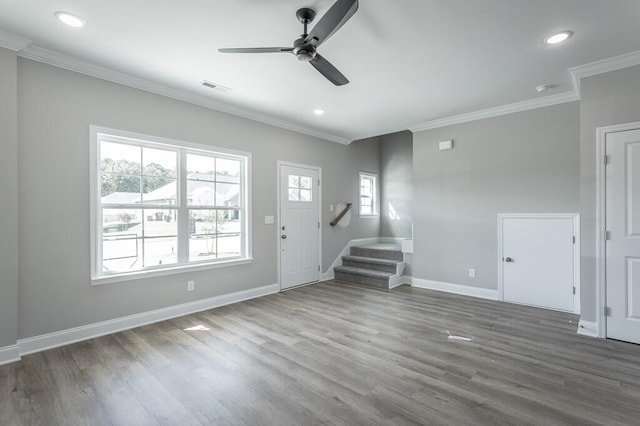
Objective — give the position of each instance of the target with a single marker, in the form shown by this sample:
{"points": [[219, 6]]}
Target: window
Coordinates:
{"points": [[300, 188], [368, 194], [159, 204]]}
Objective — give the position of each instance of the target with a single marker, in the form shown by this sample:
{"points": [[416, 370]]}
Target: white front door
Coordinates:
{"points": [[537, 261], [623, 244], [299, 225]]}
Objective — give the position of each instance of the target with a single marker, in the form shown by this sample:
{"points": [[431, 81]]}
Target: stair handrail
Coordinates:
{"points": [[335, 221]]}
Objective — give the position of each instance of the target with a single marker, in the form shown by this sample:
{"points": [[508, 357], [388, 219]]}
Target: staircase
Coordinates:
{"points": [[376, 265]]}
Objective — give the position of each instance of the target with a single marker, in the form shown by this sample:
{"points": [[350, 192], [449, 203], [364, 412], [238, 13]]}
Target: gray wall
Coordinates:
{"points": [[9, 197], [55, 110], [526, 162], [396, 184], [607, 99]]}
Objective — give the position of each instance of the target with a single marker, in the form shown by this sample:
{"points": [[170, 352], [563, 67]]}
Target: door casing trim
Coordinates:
{"points": [[576, 248], [281, 163], [601, 214]]}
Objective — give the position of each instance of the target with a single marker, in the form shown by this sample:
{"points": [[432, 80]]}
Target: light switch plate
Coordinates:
{"points": [[269, 220], [446, 145]]}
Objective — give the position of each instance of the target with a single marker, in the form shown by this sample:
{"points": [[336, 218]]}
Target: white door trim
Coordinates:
{"points": [[279, 213], [576, 248], [601, 209]]}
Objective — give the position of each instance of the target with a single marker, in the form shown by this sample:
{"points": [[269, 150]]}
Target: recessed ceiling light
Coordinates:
{"points": [[558, 37], [70, 19], [318, 111]]}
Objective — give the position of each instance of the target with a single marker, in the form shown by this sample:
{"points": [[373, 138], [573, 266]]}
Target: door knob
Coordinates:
{"points": [[508, 259], [284, 237]]}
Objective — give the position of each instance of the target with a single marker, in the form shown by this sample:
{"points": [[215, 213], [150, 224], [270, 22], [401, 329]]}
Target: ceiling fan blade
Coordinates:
{"points": [[256, 50], [329, 71], [331, 22]]}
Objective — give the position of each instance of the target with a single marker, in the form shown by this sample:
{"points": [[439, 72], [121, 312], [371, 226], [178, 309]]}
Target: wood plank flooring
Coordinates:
{"points": [[334, 354]]}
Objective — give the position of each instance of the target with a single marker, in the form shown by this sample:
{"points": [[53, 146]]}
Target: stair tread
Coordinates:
{"points": [[376, 260], [362, 271]]}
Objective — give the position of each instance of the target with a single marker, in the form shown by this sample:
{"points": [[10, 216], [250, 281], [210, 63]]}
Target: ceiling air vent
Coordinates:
{"points": [[215, 86]]}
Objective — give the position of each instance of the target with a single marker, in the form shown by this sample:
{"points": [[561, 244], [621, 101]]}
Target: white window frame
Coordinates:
{"points": [[374, 201], [98, 134]]}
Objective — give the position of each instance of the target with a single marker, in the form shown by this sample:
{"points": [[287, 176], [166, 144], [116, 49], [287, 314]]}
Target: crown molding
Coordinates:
{"points": [[59, 60], [13, 42], [527, 105], [601, 67]]}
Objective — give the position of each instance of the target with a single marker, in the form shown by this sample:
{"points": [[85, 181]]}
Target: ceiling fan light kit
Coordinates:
{"points": [[305, 48]]}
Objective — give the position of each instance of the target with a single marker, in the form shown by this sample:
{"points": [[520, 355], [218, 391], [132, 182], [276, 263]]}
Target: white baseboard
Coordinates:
{"points": [[77, 334], [465, 290], [9, 354], [402, 280], [588, 328]]}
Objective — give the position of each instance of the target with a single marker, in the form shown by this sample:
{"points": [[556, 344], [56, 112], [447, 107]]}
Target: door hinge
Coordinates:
{"points": [[606, 159], [574, 290], [607, 235], [574, 239], [318, 225], [318, 182], [607, 311], [318, 268]]}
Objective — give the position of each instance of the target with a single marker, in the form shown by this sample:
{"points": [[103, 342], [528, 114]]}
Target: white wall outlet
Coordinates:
{"points": [[191, 285], [472, 273]]}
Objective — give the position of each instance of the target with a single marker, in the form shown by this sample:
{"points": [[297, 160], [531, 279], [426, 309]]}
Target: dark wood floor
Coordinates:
{"points": [[334, 354]]}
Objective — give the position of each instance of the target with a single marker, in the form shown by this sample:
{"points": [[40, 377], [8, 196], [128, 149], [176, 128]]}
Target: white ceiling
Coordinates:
{"points": [[409, 61]]}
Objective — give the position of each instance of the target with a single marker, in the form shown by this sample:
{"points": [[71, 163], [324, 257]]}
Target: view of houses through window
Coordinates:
{"points": [[164, 205]]}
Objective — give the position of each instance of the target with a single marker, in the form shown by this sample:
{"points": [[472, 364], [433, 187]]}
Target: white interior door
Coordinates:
{"points": [[537, 261], [299, 226], [623, 242]]}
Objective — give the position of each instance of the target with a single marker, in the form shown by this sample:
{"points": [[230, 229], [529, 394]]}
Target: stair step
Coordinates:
{"points": [[378, 253], [363, 272], [369, 277], [376, 264]]}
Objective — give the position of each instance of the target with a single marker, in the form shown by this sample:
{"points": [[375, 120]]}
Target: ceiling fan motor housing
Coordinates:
{"points": [[304, 51]]}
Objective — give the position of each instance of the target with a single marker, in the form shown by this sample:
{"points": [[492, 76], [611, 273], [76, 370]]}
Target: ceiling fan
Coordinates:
{"points": [[306, 47]]}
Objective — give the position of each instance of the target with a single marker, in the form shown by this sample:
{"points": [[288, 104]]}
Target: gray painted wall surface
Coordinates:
{"points": [[396, 184], [55, 110], [526, 162], [9, 197], [607, 99]]}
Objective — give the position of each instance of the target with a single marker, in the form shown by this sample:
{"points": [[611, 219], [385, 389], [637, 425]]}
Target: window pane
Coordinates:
{"points": [[121, 250], [305, 182], [294, 181], [200, 193], [159, 190], [229, 221], [160, 251], [160, 223], [227, 194], [120, 189], [227, 170], [294, 194], [158, 162], [305, 195], [228, 245], [203, 226], [200, 167], [122, 221], [121, 253], [202, 247]]}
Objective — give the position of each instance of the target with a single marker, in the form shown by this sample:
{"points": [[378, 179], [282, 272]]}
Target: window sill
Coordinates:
{"points": [[138, 275]]}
